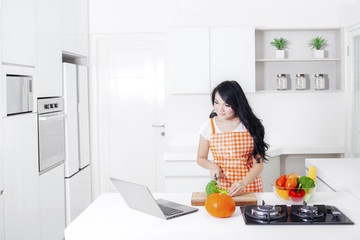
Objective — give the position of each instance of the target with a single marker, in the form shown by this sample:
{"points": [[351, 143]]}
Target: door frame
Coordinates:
{"points": [[99, 157], [351, 32]]}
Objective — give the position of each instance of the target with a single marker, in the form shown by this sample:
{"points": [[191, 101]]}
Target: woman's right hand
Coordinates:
{"points": [[215, 172]]}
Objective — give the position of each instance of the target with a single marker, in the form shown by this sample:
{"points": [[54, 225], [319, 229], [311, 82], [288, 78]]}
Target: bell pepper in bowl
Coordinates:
{"points": [[298, 194]]}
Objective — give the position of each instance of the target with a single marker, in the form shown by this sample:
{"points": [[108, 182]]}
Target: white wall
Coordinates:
{"points": [[114, 16], [298, 118]]}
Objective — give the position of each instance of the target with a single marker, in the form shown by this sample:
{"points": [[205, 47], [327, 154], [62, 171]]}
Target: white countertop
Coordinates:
{"points": [[188, 153], [108, 217], [341, 174]]}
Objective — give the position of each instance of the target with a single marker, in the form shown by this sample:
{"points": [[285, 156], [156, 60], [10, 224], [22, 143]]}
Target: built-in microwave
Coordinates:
{"points": [[19, 94]]}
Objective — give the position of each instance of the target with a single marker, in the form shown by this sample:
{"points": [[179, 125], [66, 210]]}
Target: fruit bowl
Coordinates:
{"points": [[293, 195]]}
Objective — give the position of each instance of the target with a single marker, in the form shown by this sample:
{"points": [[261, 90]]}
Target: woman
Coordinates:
{"points": [[235, 137]]}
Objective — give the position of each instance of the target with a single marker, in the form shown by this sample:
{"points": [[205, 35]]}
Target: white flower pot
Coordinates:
{"points": [[319, 53], [280, 53]]}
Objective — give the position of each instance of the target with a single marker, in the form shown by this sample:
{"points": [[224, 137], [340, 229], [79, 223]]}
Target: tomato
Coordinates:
{"points": [[283, 193], [293, 175], [281, 181], [291, 183]]}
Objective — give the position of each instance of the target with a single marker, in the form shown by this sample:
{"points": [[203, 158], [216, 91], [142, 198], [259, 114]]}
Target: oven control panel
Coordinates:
{"points": [[48, 105]]}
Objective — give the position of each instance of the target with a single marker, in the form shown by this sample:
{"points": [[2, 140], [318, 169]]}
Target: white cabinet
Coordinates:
{"points": [[233, 56], [49, 54], [52, 203], [2, 216], [76, 96], [71, 121], [75, 26], [185, 176], [187, 60], [199, 58], [78, 194], [1, 158], [21, 177], [18, 32], [270, 173], [84, 127]]}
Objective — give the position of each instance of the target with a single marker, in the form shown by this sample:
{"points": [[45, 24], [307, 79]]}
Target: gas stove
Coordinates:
{"points": [[293, 215]]}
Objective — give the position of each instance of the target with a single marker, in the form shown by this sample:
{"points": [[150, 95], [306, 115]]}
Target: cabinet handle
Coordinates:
{"points": [[1, 192], [158, 125]]}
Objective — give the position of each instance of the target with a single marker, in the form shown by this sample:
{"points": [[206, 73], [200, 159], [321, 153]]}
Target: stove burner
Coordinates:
{"points": [[308, 210], [265, 212], [307, 213]]}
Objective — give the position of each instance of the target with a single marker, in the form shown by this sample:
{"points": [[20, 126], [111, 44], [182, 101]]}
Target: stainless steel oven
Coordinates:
{"points": [[51, 125]]}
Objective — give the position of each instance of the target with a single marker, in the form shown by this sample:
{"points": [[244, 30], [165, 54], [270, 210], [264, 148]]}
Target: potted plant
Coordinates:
{"points": [[318, 44], [280, 45]]}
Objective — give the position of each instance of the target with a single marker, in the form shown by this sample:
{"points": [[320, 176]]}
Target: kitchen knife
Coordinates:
{"points": [[218, 182]]}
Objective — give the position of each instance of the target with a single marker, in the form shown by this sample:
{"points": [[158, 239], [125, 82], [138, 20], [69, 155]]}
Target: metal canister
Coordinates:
{"points": [[300, 82], [281, 82], [319, 82]]}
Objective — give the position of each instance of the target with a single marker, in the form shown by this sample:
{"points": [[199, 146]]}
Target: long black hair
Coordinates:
{"points": [[232, 94]]}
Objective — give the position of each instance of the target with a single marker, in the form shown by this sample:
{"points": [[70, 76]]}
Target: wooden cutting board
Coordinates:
{"points": [[246, 198]]}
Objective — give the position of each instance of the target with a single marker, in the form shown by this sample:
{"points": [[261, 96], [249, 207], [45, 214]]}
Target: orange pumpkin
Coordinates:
{"points": [[220, 205]]}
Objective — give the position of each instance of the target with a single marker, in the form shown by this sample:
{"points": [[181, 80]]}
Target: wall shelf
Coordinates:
{"points": [[299, 59]]}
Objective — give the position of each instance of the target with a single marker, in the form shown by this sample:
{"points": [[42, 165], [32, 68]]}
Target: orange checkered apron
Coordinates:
{"points": [[231, 151]]}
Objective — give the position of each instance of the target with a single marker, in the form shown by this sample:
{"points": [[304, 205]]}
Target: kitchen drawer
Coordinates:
{"points": [[185, 176], [185, 169], [186, 184]]}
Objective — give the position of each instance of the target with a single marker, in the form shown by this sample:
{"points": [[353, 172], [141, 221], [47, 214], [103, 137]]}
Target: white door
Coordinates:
{"points": [[84, 134], [131, 92], [354, 55], [71, 120]]}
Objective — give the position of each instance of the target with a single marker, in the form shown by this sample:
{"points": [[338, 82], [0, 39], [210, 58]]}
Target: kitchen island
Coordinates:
{"points": [[108, 217]]}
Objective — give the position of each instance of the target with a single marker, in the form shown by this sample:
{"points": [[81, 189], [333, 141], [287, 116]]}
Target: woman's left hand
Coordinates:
{"points": [[236, 188]]}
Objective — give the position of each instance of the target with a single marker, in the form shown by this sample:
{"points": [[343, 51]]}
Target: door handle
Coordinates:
{"points": [[158, 125]]}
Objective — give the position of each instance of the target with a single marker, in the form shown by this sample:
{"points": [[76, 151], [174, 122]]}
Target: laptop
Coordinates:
{"points": [[139, 197]]}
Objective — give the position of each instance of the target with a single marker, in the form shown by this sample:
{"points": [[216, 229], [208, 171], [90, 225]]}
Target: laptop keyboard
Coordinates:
{"points": [[169, 211]]}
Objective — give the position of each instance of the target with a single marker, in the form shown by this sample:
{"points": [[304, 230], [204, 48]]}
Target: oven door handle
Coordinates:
{"points": [[52, 117]]}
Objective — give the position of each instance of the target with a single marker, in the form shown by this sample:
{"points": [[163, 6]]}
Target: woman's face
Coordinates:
{"points": [[222, 109]]}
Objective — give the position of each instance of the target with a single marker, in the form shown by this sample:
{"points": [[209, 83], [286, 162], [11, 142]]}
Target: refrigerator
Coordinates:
{"points": [[77, 140]]}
